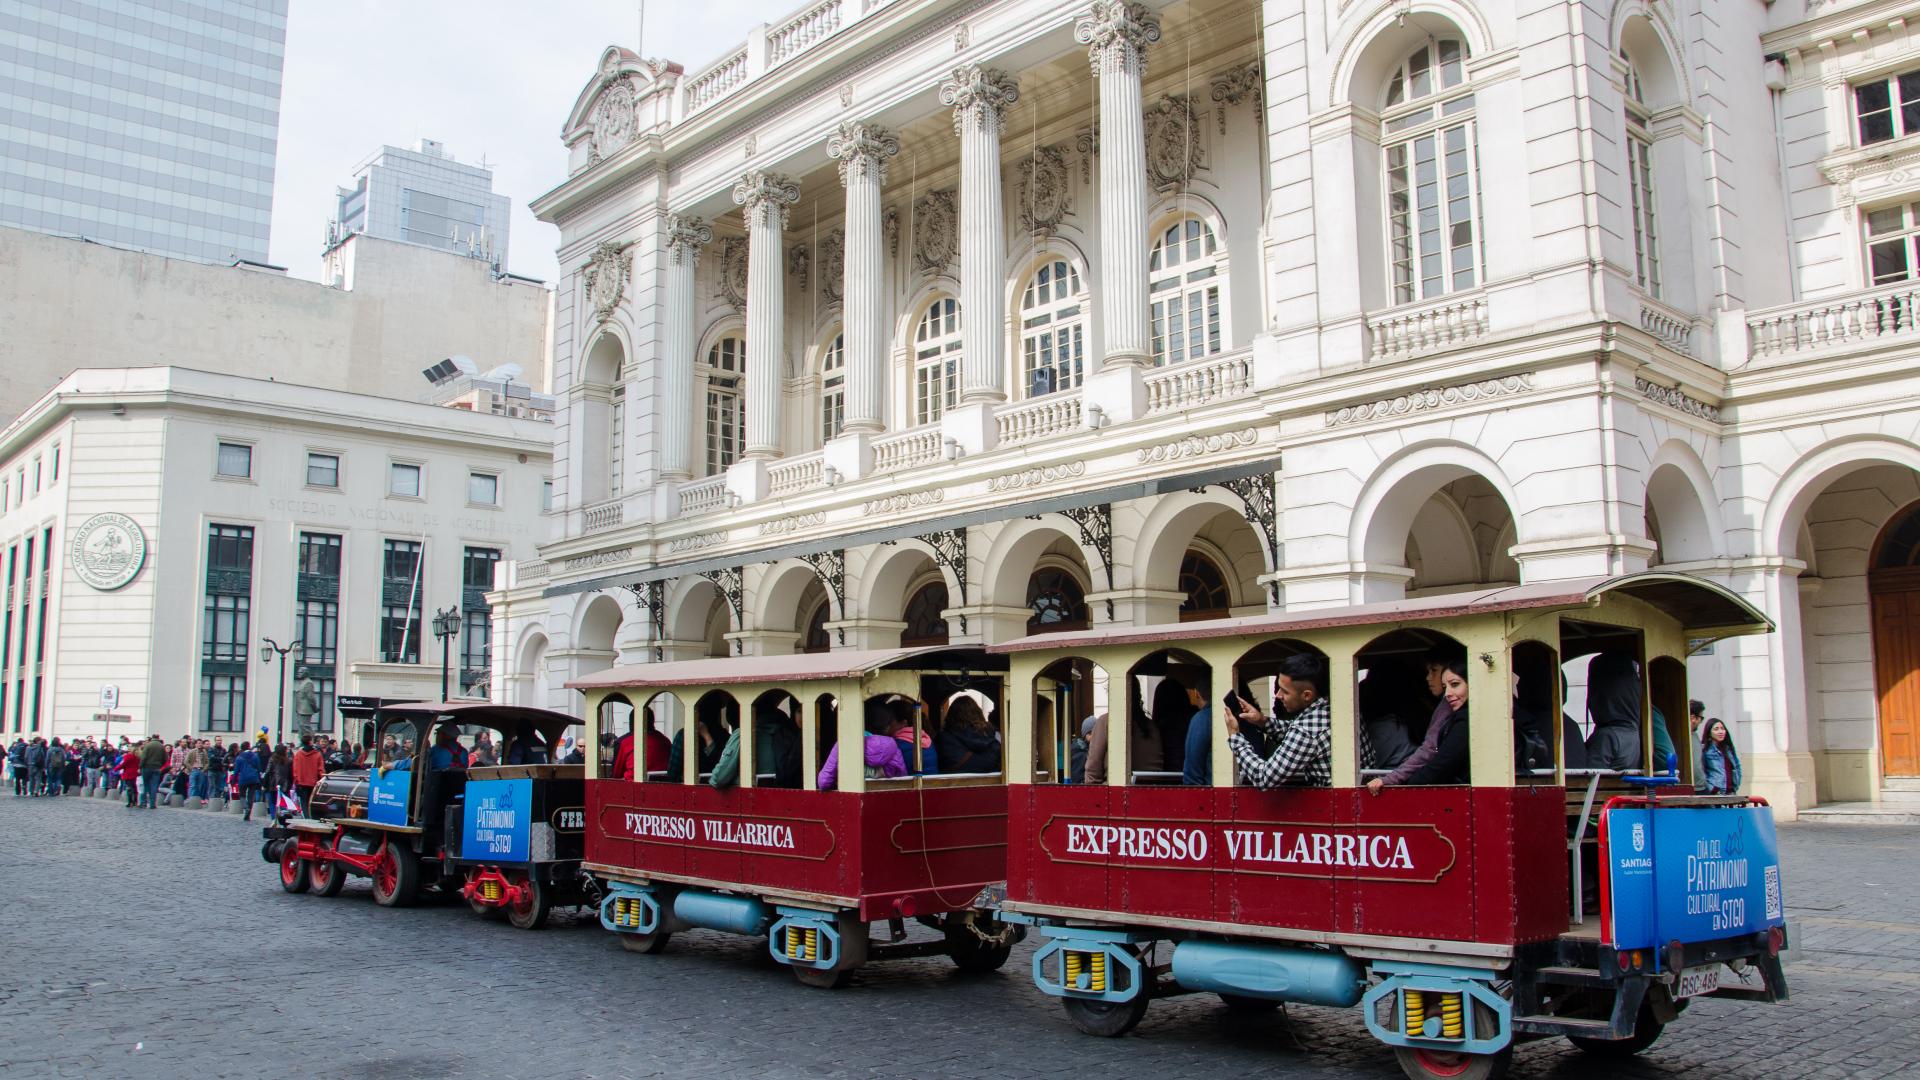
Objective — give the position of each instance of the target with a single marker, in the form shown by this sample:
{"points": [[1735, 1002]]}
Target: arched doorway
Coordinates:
{"points": [[1893, 590]]}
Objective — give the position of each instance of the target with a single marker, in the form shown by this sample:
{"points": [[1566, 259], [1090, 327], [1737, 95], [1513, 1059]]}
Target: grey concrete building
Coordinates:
{"points": [[423, 196], [148, 124]]}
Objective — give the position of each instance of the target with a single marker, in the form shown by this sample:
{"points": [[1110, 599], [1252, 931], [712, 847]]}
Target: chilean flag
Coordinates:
{"points": [[289, 802]]}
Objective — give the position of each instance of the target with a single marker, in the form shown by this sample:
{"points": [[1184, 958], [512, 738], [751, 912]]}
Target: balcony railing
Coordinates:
{"points": [[602, 516], [1855, 319], [1453, 321], [1199, 382], [703, 495], [1031, 421], [796, 474], [782, 40], [1673, 327], [921, 446], [717, 81], [792, 37]]}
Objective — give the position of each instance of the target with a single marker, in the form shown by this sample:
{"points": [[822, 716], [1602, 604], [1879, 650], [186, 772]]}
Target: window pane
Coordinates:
{"points": [[405, 480], [236, 459], [323, 470], [1888, 261], [483, 489]]}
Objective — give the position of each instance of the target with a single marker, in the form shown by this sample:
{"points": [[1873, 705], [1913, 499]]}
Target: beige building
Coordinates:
{"points": [[157, 523], [388, 311]]}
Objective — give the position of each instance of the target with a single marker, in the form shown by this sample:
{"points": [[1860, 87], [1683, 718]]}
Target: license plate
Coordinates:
{"points": [[1698, 980]]}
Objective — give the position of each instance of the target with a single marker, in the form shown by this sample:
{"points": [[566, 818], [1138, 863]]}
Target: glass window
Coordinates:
{"points": [[226, 628], [726, 419], [1184, 273], [476, 619], [56, 469], [1431, 185], [1646, 243], [1887, 108], [546, 495], [833, 388], [483, 489], [1056, 600], [323, 470], [1893, 243], [400, 603], [1052, 329], [936, 360], [236, 460], [1205, 589], [36, 476], [925, 625], [403, 480]]}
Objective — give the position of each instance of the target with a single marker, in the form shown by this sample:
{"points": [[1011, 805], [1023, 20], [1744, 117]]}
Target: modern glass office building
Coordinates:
{"points": [[148, 124]]}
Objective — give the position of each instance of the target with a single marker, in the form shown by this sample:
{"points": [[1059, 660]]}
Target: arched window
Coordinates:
{"points": [[925, 626], [726, 417], [1184, 275], [936, 360], [833, 388], [1646, 243], [1056, 600], [1052, 330], [1433, 208], [1205, 588], [814, 639]]}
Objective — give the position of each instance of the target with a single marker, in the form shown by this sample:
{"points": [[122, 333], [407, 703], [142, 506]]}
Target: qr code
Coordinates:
{"points": [[1773, 892]]}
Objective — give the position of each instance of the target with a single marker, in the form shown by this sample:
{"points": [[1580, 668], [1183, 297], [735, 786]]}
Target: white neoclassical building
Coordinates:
{"points": [[928, 320]]}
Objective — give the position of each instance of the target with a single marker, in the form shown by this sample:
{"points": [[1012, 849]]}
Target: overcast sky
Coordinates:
{"points": [[489, 78]]}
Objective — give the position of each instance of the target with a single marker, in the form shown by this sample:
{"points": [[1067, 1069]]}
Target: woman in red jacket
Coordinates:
{"points": [[129, 769]]}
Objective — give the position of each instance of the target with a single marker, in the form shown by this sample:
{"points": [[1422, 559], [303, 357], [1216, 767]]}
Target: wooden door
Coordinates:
{"points": [[1896, 666]]}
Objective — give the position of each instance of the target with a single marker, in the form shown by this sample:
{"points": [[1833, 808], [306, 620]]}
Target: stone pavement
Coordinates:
{"points": [[157, 944]]}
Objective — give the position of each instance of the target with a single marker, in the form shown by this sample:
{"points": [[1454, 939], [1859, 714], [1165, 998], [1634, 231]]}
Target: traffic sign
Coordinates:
{"points": [[109, 698]]}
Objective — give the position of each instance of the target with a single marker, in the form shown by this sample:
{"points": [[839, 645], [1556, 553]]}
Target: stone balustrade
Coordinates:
{"points": [[1199, 382], [1042, 418]]}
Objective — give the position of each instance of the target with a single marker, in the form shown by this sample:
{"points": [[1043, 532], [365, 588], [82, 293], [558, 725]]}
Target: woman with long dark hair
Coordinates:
{"points": [[1719, 759]]}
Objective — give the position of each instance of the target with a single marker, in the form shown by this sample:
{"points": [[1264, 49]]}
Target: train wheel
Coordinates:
{"points": [[1245, 1004], [484, 910], [1646, 1029], [1107, 1019], [823, 978], [972, 952], [536, 903], [1420, 1064], [293, 869], [649, 944], [326, 877], [396, 877]]}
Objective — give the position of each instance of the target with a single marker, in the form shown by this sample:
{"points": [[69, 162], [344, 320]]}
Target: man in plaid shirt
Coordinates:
{"points": [[1302, 743]]}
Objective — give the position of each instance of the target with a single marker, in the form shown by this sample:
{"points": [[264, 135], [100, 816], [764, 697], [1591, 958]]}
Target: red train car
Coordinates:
{"points": [[1488, 894], [721, 804]]}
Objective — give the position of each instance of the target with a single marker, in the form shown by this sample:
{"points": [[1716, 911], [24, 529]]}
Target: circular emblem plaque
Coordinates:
{"points": [[108, 551]]}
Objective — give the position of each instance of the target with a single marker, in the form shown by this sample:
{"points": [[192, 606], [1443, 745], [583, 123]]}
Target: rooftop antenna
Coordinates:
{"points": [[640, 36]]}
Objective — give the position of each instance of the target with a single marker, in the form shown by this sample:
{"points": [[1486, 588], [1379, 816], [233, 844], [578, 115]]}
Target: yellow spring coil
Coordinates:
{"points": [[813, 944], [633, 914], [1099, 971], [1452, 1018], [1416, 1011], [490, 890], [793, 942], [1073, 968]]}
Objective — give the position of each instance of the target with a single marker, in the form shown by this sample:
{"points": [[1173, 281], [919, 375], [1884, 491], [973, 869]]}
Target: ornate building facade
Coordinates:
{"points": [[918, 321]]}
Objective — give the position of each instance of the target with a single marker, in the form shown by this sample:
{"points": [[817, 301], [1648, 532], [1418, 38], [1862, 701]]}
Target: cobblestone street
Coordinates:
{"points": [[158, 944]]}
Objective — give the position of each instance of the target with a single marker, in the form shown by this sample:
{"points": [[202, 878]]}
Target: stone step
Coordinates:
{"points": [[1859, 813], [1900, 783], [1902, 799]]}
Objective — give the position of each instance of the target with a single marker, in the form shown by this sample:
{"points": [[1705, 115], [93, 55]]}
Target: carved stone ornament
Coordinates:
{"points": [[680, 545], [613, 121], [733, 271], [1045, 196], [833, 265], [605, 278], [1116, 34], [1195, 446], [1174, 145], [1233, 87], [766, 196], [936, 231], [1087, 145], [907, 500], [1037, 476], [799, 262], [979, 96], [793, 524], [1432, 397], [862, 150], [1675, 398], [686, 235], [890, 223]]}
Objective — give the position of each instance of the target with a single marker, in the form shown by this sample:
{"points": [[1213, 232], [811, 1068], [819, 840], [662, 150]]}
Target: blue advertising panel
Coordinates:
{"points": [[497, 820], [1691, 874], [387, 797]]}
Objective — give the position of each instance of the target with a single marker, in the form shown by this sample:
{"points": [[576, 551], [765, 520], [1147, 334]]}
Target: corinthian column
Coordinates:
{"points": [[684, 238], [980, 97], [1117, 34], [863, 150], [766, 197]]}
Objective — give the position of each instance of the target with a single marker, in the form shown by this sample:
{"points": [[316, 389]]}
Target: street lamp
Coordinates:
{"points": [[268, 650], [446, 623]]}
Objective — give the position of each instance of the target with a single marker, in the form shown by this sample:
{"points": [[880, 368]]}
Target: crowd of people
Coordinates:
{"points": [[151, 773]]}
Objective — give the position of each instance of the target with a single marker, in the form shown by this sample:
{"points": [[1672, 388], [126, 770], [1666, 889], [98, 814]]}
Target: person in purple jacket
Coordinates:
{"points": [[882, 751], [1437, 661]]}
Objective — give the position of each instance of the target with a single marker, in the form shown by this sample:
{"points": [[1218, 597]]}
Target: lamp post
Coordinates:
{"points": [[446, 623], [268, 650]]}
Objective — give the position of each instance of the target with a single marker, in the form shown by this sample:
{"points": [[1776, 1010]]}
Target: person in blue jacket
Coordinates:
{"points": [[1719, 760], [246, 776]]}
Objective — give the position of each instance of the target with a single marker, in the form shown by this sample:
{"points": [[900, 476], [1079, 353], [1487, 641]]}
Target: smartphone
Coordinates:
{"points": [[1232, 702]]}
